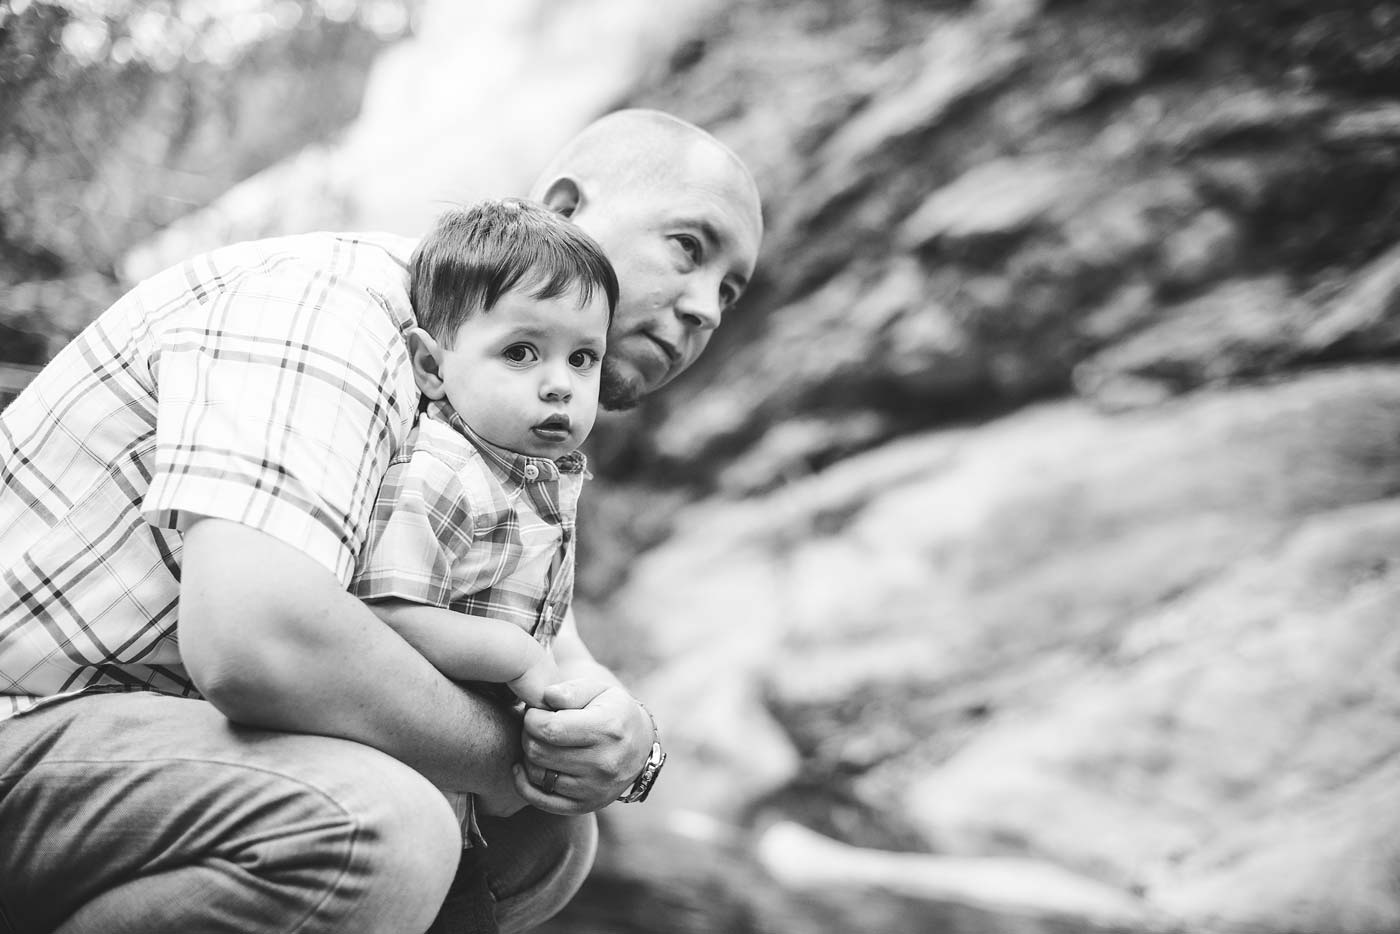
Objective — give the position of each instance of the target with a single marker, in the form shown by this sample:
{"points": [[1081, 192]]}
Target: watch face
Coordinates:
{"points": [[642, 786], [653, 769]]}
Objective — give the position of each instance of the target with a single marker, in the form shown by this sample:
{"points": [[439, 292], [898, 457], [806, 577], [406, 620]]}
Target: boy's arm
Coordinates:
{"points": [[473, 648], [273, 640]]}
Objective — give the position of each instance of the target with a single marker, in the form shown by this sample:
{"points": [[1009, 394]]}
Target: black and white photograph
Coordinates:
{"points": [[699, 467]]}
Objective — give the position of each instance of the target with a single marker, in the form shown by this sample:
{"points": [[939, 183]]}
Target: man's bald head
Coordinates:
{"points": [[640, 150]]}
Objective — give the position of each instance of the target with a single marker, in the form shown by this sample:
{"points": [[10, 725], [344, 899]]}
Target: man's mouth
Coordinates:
{"points": [[669, 350]]}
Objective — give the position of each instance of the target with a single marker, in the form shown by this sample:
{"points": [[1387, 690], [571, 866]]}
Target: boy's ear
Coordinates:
{"points": [[426, 358], [563, 196]]}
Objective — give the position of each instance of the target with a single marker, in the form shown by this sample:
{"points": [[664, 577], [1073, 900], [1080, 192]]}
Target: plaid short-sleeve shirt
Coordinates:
{"points": [[266, 383], [467, 526]]}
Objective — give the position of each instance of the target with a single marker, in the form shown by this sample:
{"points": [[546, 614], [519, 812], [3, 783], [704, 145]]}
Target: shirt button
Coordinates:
{"points": [[532, 472]]}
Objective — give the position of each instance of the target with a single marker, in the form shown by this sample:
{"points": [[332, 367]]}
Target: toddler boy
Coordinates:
{"points": [[470, 551]]}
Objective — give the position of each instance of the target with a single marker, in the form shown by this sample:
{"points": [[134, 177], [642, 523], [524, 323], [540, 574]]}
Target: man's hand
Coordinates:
{"points": [[597, 739]]}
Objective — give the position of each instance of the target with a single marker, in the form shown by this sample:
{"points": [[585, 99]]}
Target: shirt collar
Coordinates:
{"points": [[521, 468]]}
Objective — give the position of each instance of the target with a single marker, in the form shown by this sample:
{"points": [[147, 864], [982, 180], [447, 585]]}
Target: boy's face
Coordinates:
{"points": [[524, 375]]}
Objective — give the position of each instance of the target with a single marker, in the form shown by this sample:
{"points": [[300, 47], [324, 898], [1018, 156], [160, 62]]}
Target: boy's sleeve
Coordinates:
{"points": [[422, 521], [282, 399]]}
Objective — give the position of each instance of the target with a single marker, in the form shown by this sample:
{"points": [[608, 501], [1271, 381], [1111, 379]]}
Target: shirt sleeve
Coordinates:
{"points": [[421, 524], [280, 402]]}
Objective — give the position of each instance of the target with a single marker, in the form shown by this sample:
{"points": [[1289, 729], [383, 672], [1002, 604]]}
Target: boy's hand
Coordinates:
{"points": [[530, 686]]}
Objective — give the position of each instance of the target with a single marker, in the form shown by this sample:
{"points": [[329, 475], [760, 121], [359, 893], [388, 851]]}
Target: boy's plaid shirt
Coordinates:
{"points": [[266, 383], [467, 526]]}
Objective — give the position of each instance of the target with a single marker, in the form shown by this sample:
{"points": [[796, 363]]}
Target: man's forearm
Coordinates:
{"points": [[574, 658], [272, 640]]}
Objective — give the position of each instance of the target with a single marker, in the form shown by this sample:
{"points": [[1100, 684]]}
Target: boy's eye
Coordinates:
{"points": [[583, 359], [519, 353]]}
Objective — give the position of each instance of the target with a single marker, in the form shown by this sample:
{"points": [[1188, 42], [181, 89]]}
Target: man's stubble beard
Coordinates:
{"points": [[617, 393]]}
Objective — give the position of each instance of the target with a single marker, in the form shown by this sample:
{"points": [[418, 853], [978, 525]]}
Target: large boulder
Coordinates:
{"points": [[1152, 647]]}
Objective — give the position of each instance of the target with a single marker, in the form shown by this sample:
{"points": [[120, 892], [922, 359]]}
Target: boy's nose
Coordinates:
{"points": [[556, 386]]}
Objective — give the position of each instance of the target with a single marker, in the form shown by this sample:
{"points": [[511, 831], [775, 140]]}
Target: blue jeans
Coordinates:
{"points": [[146, 813]]}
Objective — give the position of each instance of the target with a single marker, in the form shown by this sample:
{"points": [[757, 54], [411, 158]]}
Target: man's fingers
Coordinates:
{"points": [[536, 797], [562, 727]]}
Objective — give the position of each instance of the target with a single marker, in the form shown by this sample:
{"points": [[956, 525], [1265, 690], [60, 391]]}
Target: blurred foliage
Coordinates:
{"points": [[119, 117]]}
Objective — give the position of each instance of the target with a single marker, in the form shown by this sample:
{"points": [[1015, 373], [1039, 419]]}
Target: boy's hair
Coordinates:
{"points": [[474, 255]]}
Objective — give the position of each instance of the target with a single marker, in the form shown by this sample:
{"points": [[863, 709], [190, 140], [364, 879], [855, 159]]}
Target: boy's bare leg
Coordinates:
{"points": [[144, 813]]}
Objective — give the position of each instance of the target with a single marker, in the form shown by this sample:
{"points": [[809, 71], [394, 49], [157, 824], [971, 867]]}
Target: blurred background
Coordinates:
{"points": [[1021, 556]]}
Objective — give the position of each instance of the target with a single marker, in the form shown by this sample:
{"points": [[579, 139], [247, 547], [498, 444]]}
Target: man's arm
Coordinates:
{"points": [[473, 648], [272, 640]]}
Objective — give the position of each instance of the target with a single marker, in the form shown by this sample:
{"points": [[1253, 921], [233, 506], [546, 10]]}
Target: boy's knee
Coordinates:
{"points": [[537, 863]]}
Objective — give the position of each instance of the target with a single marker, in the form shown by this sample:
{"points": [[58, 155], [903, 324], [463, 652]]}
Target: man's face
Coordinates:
{"points": [[525, 375], [683, 255]]}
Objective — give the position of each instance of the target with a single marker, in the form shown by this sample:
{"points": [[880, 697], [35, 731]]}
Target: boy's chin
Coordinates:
{"points": [[618, 392]]}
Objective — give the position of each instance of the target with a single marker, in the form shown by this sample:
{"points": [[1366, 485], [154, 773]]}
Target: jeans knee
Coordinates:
{"points": [[407, 849]]}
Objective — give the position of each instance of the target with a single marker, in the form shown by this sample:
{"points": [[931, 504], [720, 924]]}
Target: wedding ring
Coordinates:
{"points": [[550, 778]]}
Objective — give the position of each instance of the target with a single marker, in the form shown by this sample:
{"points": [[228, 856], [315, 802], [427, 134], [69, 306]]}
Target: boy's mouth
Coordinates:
{"points": [[554, 428]]}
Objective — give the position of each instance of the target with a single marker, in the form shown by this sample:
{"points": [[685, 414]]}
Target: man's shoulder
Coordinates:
{"points": [[344, 252], [323, 269]]}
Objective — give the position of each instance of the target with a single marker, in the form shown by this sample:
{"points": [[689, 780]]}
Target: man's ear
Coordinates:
{"points": [[426, 357], [563, 196]]}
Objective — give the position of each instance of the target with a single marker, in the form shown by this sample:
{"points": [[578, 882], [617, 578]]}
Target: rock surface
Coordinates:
{"points": [[1041, 499], [1153, 647]]}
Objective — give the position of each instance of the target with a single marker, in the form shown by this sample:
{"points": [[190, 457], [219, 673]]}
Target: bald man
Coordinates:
{"points": [[200, 730]]}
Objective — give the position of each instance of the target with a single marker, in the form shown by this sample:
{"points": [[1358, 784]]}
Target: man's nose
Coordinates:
{"points": [[700, 308]]}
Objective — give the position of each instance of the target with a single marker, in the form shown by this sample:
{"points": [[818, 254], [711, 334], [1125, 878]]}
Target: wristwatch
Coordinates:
{"points": [[641, 785]]}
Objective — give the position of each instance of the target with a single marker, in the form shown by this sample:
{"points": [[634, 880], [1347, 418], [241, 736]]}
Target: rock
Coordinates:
{"points": [[955, 62], [1206, 248], [725, 751], [795, 448], [1019, 891], [1325, 866], [1378, 124], [1000, 199], [1113, 642], [1238, 329], [1365, 318], [1230, 113]]}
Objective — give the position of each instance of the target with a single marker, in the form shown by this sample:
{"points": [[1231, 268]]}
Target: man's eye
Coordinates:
{"points": [[728, 296], [519, 353], [691, 246], [583, 359]]}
